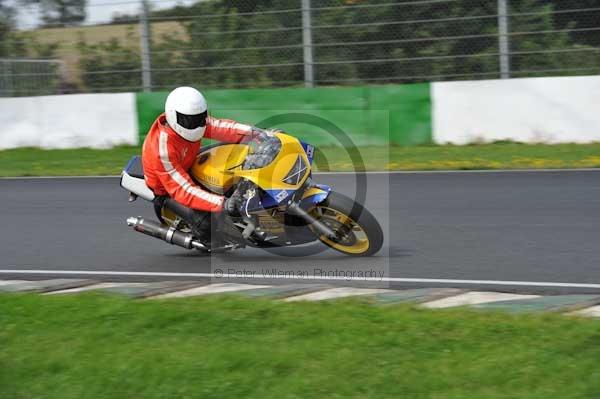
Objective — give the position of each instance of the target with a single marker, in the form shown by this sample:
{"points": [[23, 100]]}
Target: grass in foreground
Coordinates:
{"points": [[94, 346], [36, 162]]}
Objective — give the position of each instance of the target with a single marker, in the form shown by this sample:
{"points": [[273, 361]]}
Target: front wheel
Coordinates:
{"points": [[357, 231]]}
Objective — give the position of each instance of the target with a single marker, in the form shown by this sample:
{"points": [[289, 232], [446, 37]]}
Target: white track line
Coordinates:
{"points": [[92, 287], [474, 298], [594, 311], [210, 289], [221, 276], [374, 172], [8, 282], [334, 293]]}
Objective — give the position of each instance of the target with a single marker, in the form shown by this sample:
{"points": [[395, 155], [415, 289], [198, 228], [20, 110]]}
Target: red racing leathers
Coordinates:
{"points": [[167, 157]]}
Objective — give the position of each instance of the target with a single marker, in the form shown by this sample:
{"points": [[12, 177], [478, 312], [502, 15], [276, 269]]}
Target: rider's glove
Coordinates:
{"points": [[258, 133]]}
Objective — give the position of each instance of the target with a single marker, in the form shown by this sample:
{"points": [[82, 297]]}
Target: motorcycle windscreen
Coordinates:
{"points": [[286, 173]]}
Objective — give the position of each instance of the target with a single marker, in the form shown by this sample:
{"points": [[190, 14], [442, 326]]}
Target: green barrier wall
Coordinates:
{"points": [[371, 115]]}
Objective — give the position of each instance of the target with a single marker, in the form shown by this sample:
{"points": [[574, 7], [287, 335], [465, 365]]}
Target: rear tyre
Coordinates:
{"points": [[358, 232]]}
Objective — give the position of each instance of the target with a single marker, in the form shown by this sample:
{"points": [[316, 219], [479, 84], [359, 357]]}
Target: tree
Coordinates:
{"points": [[252, 43], [6, 24], [579, 15], [59, 13], [109, 66]]}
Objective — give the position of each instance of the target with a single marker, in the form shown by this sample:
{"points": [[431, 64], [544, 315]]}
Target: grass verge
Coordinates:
{"points": [[470, 157], [74, 162], [36, 162], [98, 346]]}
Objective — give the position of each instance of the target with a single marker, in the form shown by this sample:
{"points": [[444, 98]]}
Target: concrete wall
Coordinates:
{"points": [[533, 110], [68, 121]]}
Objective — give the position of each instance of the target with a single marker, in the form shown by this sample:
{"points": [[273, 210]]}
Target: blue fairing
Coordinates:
{"points": [[253, 204], [309, 150], [272, 199], [276, 197]]}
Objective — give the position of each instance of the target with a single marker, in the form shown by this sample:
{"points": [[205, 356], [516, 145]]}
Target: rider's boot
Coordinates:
{"points": [[198, 221]]}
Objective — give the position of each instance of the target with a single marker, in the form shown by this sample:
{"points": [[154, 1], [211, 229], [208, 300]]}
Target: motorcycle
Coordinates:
{"points": [[270, 176]]}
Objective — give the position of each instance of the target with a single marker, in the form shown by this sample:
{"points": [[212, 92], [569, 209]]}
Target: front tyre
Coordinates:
{"points": [[357, 231]]}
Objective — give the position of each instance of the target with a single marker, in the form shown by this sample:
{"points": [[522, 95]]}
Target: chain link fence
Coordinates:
{"points": [[287, 43], [21, 77]]}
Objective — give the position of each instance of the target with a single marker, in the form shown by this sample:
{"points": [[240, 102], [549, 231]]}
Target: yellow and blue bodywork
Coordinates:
{"points": [[284, 176]]}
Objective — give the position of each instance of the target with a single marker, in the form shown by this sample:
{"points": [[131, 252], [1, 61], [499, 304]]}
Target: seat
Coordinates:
{"points": [[132, 179]]}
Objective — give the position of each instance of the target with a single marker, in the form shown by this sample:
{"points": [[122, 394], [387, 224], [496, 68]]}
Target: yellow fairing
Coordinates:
{"points": [[223, 167], [213, 168], [313, 191]]}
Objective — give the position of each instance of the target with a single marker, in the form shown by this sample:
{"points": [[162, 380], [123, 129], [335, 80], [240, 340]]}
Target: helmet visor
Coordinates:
{"points": [[192, 121]]}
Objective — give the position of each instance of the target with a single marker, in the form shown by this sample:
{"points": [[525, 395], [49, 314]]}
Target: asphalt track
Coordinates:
{"points": [[508, 231]]}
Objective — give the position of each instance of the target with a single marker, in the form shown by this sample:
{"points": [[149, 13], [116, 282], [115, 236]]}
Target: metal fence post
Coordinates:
{"points": [[4, 80], [9, 79], [145, 48], [309, 73], [503, 39]]}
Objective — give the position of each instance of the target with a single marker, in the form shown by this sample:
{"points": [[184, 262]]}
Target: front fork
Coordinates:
{"points": [[297, 210], [311, 197]]}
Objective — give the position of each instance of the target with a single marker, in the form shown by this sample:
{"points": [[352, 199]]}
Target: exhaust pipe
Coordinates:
{"points": [[168, 234]]}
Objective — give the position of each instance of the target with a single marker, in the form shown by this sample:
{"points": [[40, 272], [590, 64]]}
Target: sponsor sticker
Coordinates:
{"points": [[310, 150], [281, 195]]}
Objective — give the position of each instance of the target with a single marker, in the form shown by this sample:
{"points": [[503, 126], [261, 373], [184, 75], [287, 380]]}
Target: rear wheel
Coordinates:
{"points": [[357, 231]]}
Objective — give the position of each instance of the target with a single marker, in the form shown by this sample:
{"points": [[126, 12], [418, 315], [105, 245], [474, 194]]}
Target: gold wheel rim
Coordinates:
{"points": [[358, 242], [173, 220]]}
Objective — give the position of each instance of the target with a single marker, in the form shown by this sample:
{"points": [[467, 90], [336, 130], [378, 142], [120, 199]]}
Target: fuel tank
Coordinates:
{"points": [[214, 166]]}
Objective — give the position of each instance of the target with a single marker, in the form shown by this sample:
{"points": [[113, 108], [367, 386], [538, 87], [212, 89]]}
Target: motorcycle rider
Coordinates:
{"points": [[170, 149]]}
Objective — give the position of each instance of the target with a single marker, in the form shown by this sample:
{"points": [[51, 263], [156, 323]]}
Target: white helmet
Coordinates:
{"points": [[186, 112]]}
